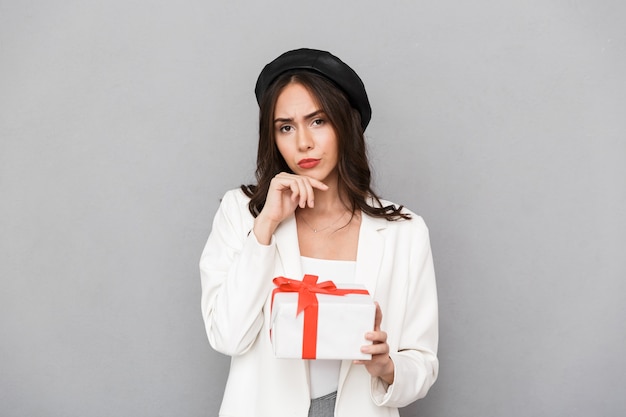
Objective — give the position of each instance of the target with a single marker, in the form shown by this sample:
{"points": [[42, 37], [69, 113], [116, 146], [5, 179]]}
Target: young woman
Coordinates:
{"points": [[313, 211]]}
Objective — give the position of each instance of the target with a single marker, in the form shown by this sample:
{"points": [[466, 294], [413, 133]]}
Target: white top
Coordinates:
{"points": [[324, 374]]}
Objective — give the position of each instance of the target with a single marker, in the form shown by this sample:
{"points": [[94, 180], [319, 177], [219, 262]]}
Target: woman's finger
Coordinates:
{"points": [[318, 184], [301, 195], [378, 318], [310, 201], [376, 336], [376, 349]]}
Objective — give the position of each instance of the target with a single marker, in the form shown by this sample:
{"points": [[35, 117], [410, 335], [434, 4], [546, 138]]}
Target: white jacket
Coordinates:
{"points": [[394, 262]]}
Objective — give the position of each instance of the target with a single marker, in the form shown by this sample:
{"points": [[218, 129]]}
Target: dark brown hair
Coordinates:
{"points": [[352, 166]]}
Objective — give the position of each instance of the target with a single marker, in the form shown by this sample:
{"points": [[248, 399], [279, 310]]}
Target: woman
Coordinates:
{"points": [[313, 211]]}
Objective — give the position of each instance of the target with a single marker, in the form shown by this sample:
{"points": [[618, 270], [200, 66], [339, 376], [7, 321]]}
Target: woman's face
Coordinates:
{"points": [[304, 136]]}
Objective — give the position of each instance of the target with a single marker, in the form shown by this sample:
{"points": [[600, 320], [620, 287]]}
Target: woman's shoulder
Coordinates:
{"points": [[234, 204], [235, 197], [233, 210]]}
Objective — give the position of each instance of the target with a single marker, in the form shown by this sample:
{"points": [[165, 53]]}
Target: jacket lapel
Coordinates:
{"points": [[368, 261], [370, 251], [286, 236]]}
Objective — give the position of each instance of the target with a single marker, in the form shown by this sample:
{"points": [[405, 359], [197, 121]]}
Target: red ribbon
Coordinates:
{"points": [[307, 290]]}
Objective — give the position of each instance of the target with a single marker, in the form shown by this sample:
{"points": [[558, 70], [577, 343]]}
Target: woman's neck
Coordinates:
{"points": [[328, 201]]}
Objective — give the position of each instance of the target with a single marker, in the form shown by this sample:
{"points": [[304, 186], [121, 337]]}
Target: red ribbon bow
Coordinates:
{"points": [[307, 290]]}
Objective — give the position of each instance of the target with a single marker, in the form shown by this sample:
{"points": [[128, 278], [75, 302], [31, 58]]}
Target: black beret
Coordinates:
{"points": [[323, 63]]}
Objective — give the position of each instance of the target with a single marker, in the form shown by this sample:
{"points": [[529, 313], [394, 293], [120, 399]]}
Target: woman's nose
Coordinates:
{"points": [[305, 140]]}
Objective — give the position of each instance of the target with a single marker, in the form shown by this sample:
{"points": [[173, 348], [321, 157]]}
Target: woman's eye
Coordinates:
{"points": [[285, 129], [318, 122]]}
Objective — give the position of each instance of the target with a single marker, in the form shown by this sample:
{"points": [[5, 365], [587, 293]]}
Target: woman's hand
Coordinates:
{"points": [[381, 364], [286, 193]]}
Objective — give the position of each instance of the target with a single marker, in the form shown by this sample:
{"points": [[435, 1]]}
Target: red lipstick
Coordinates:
{"points": [[308, 163]]}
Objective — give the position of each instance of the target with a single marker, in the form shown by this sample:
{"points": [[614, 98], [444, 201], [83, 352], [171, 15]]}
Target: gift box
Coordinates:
{"points": [[313, 320]]}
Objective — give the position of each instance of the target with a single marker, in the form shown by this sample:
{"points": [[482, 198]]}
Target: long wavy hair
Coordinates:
{"points": [[352, 166]]}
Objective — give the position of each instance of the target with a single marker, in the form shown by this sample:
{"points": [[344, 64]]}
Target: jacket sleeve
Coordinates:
{"points": [[415, 358], [236, 277]]}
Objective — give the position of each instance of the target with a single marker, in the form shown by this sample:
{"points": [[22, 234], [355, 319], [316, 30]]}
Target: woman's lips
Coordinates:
{"points": [[308, 163]]}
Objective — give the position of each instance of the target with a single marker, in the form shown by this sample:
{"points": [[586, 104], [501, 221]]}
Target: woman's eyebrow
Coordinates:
{"points": [[290, 119]]}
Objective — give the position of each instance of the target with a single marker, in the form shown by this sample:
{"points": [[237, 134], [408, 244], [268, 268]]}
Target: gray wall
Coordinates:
{"points": [[123, 122]]}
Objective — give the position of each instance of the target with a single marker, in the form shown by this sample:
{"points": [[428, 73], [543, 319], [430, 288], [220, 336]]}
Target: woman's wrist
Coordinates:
{"points": [[389, 376], [263, 230]]}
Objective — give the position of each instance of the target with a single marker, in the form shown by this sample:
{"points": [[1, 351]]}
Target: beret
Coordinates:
{"points": [[323, 63]]}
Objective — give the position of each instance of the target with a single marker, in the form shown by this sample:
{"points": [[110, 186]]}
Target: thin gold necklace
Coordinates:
{"points": [[315, 230]]}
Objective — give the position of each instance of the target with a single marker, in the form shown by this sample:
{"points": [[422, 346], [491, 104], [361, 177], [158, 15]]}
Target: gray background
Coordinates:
{"points": [[123, 122]]}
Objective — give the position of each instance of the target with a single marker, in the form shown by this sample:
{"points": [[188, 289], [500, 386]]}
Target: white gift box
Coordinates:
{"points": [[342, 321]]}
